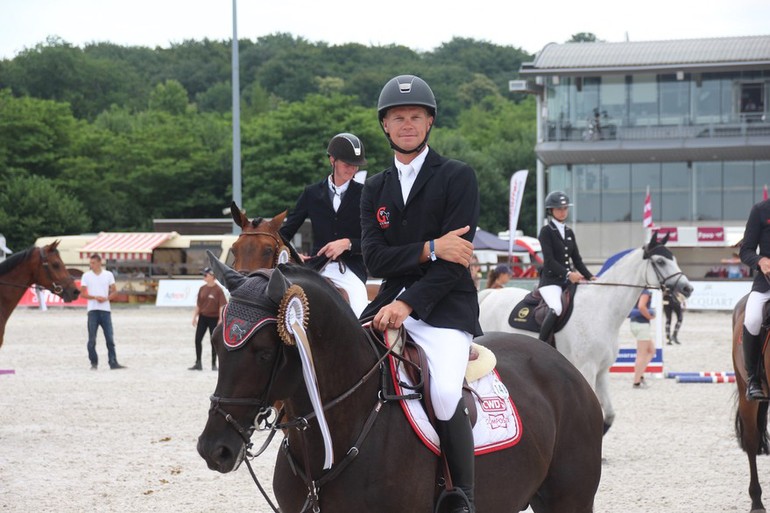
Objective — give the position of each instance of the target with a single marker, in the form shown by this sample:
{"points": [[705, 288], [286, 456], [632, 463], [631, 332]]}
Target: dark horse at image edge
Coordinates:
{"points": [[35, 265], [555, 466], [750, 416]]}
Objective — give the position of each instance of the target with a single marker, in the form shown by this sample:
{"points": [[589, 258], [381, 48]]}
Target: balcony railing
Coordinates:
{"points": [[757, 125]]}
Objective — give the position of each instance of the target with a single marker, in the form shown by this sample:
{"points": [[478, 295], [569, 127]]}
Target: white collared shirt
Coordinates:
{"points": [[560, 227], [407, 173], [337, 191]]}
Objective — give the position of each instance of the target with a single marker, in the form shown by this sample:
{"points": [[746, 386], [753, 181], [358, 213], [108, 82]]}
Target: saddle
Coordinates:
{"points": [[529, 313], [480, 361]]}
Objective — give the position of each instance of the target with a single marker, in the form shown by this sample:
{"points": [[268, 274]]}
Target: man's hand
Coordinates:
{"points": [[335, 248], [453, 248], [764, 265], [391, 316]]}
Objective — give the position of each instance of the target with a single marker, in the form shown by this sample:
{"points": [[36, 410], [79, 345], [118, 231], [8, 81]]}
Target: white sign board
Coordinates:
{"points": [[717, 295], [181, 292]]}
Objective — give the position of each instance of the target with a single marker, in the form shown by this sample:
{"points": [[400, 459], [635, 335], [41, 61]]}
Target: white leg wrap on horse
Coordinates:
{"points": [[552, 296], [447, 352], [348, 280], [754, 306]]}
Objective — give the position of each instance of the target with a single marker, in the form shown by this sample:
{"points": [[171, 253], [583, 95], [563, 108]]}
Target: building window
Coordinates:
{"points": [[676, 195], [587, 193], [706, 100], [643, 107], [674, 100], [738, 179], [616, 193], [707, 177], [642, 177], [752, 102]]}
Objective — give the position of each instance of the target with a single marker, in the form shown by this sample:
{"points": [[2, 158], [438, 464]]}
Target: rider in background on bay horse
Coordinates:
{"points": [[559, 246], [333, 206], [756, 235]]}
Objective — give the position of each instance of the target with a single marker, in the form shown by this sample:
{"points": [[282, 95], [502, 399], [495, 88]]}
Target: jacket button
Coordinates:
{"points": [[403, 223]]}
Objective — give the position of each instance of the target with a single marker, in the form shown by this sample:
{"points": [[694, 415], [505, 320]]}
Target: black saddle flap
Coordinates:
{"points": [[530, 312]]}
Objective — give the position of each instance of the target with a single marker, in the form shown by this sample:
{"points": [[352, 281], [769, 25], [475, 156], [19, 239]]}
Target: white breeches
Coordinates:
{"points": [[552, 296], [754, 306], [348, 280], [447, 352]]}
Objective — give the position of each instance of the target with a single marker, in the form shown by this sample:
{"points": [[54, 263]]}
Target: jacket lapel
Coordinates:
{"points": [[323, 192], [394, 187]]}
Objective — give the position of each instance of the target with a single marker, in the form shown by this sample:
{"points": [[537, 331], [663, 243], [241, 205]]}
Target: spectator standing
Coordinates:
{"points": [[641, 316], [208, 313], [98, 286]]}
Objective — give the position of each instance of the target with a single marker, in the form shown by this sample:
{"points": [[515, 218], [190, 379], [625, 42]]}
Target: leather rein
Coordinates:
{"points": [[267, 419], [662, 280]]}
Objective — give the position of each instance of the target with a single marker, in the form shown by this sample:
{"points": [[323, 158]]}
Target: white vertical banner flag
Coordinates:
{"points": [[518, 181], [647, 212]]}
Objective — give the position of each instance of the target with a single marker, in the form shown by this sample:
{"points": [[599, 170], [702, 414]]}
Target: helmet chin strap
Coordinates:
{"points": [[401, 150]]}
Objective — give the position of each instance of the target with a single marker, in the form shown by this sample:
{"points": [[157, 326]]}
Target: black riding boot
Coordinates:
{"points": [[456, 438], [197, 366], [752, 351], [548, 323]]}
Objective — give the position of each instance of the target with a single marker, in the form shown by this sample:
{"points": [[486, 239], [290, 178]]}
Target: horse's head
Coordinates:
{"points": [[52, 273], [260, 245], [663, 268], [258, 362]]}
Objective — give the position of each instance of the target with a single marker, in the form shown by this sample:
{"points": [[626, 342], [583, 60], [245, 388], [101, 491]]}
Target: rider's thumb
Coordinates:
{"points": [[461, 231]]}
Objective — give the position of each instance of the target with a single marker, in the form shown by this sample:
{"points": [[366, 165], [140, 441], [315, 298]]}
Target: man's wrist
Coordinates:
{"points": [[432, 250]]}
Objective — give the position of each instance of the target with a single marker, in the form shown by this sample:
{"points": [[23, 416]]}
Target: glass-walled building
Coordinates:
{"points": [[689, 119]]}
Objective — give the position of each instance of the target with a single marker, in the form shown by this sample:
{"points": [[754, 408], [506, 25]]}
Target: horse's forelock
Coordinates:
{"points": [[257, 221]]}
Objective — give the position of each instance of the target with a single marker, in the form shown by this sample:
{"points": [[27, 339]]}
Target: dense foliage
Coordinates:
{"points": [[108, 137]]}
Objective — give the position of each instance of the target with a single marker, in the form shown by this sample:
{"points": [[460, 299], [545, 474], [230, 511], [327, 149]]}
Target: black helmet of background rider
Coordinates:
{"points": [[402, 91], [556, 199], [348, 148]]}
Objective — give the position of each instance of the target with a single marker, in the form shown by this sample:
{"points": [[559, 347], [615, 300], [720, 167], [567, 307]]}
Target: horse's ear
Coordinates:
{"points": [[225, 274], [52, 246], [277, 221], [238, 216], [277, 286], [665, 239], [653, 239]]}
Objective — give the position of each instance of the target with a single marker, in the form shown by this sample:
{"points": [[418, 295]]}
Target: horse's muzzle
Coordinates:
{"points": [[219, 456]]}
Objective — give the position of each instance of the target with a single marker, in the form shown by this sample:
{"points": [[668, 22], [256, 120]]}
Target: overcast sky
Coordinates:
{"points": [[419, 24]]}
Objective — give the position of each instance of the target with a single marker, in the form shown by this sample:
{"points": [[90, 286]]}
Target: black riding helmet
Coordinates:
{"points": [[556, 199], [402, 91], [348, 148]]}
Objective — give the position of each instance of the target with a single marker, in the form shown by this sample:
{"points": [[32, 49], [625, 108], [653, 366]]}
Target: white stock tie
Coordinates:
{"points": [[407, 180], [336, 199]]}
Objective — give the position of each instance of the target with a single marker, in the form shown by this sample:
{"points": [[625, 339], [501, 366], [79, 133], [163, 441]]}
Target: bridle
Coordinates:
{"points": [[662, 280], [277, 248], [266, 419], [55, 287]]}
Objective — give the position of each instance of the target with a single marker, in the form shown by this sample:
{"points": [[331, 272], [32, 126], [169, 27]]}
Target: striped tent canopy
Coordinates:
{"points": [[125, 246]]}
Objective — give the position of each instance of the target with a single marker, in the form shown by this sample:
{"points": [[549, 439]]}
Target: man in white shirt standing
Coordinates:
{"points": [[98, 287]]}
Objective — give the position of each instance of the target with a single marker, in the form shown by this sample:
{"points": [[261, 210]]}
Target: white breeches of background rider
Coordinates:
{"points": [[754, 306], [552, 296], [348, 280], [447, 351]]}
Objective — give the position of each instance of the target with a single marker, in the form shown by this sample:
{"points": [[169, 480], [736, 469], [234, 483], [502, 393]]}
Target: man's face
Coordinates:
{"points": [[343, 171], [407, 126], [208, 278], [95, 264]]}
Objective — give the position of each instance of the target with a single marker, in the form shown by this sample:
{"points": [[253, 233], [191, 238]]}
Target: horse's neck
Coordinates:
{"points": [[624, 282], [13, 285]]}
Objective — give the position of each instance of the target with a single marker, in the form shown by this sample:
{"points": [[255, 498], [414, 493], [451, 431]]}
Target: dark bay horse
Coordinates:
{"points": [[751, 416], [41, 266], [380, 465]]}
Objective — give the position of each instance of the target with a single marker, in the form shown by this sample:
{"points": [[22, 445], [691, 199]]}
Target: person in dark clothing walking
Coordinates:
{"points": [[672, 305], [208, 313]]}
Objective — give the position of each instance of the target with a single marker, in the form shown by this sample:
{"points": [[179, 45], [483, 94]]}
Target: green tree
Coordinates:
{"points": [[169, 97], [32, 207]]}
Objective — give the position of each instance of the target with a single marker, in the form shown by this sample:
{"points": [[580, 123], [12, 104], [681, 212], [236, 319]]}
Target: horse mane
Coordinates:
{"points": [[10, 263], [257, 221]]}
